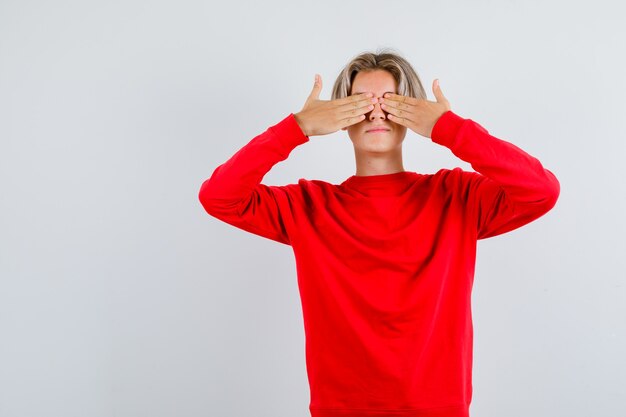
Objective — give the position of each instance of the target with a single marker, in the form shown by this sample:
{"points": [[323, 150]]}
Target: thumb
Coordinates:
{"points": [[438, 93], [317, 88]]}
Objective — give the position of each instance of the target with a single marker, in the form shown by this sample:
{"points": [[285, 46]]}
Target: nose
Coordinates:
{"points": [[377, 113]]}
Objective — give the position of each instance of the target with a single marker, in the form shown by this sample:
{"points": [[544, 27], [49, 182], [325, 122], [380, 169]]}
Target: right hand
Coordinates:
{"points": [[321, 117]]}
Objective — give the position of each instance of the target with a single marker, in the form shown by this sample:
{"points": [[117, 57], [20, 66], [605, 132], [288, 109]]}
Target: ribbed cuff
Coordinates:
{"points": [[446, 128], [289, 132]]}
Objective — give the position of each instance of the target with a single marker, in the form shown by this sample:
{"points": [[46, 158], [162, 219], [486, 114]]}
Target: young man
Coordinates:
{"points": [[385, 260]]}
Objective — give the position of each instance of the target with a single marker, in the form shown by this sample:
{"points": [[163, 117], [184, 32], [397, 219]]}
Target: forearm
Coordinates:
{"points": [[236, 178], [521, 176]]}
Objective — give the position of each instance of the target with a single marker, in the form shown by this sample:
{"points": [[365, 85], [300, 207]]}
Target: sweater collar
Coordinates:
{"points": [[381, 185]]}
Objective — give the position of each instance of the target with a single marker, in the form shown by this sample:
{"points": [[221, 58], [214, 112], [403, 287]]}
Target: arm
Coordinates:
{"points": [[234, 193], [512, 189]]}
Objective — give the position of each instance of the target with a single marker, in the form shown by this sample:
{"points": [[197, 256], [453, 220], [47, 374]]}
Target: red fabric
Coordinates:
{"points": [[385, 263]]}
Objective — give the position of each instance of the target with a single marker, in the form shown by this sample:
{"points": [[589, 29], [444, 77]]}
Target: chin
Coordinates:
{"points": [[376, 144]]}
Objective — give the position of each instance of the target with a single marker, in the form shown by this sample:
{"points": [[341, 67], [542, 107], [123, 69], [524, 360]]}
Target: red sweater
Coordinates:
{"points": [[385, 263]]}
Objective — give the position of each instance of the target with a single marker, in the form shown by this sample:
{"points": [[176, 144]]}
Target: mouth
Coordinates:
{"points": [[381, 130]]}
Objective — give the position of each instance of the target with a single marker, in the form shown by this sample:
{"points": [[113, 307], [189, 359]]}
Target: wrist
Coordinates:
{"points": [[300, 122], [446, 128]]}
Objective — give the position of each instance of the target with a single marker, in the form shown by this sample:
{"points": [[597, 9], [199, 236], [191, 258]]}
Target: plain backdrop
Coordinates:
{"points": [[120, 296]]}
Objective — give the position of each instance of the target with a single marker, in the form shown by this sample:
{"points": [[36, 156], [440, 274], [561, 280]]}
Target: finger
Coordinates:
{"points": [[388, 103], [400, 120], [357, 104], [356, 111], [397, 115], [355, 98], [397, 98], [317, 88], [438, 93], [354, 115], [351, 120]]}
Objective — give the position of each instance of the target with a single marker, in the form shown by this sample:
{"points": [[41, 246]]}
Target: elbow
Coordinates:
{"points": [[209, 190], [552, 192], [204, 195], [555, 189], [217, 202]]}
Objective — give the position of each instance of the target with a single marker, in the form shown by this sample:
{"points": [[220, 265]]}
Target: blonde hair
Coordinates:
{"points": [[387, 59]]}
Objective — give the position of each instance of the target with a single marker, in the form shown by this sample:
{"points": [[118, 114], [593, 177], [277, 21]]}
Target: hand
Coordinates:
{"points": [[321, 117], [419, 115]]}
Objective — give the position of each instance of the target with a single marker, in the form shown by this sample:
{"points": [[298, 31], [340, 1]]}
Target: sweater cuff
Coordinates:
{"points": [[288, 131], [446, 128]]}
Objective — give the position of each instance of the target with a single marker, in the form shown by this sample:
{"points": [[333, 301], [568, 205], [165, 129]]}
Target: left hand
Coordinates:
{"points": [[419, 115]]}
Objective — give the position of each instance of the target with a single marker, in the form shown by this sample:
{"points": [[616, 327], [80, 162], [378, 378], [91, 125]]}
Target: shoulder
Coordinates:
{"points": [[316, 184], [456, 179], [305, 189], [303, 186], [316, 188], [456, 174]]}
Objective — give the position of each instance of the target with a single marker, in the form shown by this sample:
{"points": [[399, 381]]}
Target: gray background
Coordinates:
{"points": [[120, 296]]}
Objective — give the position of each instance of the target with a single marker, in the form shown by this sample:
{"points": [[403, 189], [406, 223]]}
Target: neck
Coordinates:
{"points": [[378, 163]]}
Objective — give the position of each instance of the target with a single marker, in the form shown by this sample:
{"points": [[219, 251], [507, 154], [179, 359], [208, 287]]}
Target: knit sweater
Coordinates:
{"points": [[385, 263]]}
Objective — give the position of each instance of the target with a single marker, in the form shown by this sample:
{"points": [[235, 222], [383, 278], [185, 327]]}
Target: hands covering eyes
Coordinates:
{"points": [[321, 117]]}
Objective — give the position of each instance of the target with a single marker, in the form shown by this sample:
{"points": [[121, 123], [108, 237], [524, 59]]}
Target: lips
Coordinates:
{"points": [[377, 129]]}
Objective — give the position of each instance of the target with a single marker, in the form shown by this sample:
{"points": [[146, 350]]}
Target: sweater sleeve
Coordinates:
{"points": [[234, 193], [510, 188]]}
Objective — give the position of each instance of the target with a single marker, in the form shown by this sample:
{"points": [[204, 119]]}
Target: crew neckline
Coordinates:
{"points": [[363, 179], [381, 185]]}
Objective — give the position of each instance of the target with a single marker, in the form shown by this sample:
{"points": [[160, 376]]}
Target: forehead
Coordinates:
{"points": [[378, 81]]}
